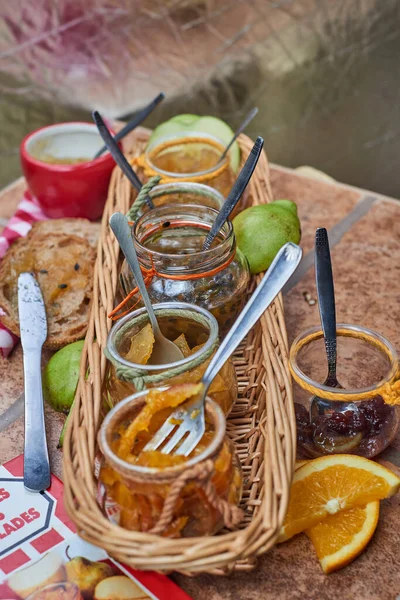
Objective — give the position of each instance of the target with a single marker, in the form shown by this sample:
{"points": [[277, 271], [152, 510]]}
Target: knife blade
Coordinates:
{"points": [[33, 332]]}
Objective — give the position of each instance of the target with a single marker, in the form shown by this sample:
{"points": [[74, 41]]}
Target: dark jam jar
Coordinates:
{"points": [[168, 242], [352, 420]]}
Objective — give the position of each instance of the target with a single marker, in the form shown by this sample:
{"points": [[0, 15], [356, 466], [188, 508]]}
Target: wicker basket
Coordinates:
{"points": [[262, 425]]}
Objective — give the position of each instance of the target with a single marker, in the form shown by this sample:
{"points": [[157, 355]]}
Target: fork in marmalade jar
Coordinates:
{"points": [[168, 242], [168, 495], [195, 332]]}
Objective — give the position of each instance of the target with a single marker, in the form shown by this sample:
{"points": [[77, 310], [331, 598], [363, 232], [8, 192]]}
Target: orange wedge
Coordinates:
{"points": [[340, 538], [330, 484], [300, 463]]}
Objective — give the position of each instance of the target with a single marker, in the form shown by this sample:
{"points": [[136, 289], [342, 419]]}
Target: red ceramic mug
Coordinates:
{"points": [[78, 189]]}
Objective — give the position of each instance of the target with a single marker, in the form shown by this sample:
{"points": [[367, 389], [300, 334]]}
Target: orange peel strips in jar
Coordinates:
{"points": [[132, 346], [166, 494]]}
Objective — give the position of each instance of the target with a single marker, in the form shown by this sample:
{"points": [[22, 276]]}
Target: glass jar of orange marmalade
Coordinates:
{"points": [[168, 242], [138, 486], [189, 156], [354, 418], [196, 333]]}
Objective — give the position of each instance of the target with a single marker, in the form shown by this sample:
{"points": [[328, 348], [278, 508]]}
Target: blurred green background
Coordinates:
{"points": [[328, 95]]}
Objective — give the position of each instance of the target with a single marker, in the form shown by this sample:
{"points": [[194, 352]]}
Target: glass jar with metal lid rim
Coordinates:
{"points": [[168, 242]]}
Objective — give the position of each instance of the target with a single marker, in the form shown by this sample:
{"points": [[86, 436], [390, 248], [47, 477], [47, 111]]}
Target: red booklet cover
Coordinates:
{"points": [[42, 557]]}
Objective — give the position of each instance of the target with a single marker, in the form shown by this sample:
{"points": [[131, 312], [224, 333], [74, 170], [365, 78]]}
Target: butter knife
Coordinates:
{"points": [[33, 328]]}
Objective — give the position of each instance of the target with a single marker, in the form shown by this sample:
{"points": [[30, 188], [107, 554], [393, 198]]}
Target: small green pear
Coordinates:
{"points": [[61, 376], [262, 230]]}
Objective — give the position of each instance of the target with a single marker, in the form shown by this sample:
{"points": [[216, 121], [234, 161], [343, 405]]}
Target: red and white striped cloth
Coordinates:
{"points": [[28, 212]]}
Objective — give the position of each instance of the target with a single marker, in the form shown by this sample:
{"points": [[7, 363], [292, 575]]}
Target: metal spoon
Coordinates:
{"points": [[164, 351], [239, 130], [118, 156], [135, 122], [236, 192], [326, 302]]}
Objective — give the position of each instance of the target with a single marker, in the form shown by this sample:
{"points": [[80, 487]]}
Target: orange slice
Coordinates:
{"points": [[300, 463], [331, 484], [141, 347], [340, 538]]}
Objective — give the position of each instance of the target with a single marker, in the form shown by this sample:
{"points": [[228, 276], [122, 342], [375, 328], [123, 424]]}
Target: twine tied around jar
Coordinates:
{"points": [[142, 162], [140, 199], [148, 274], [199, 474], [141, 378]]}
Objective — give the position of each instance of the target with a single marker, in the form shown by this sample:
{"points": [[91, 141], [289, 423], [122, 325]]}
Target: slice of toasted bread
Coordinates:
{"points": [[63, 266], [81, 227]]}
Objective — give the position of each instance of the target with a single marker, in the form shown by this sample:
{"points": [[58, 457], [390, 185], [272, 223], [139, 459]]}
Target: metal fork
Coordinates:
{"points": [[190, 415]]}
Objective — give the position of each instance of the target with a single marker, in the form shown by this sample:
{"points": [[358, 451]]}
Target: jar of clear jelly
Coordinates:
{"points": [[353, 419], [195, 332], [168, 242]]}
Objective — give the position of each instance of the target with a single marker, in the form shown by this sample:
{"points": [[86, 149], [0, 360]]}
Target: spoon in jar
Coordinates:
{"points": [[248, 118], [118, 156], [164, 351], [326, 302], [135, 122], [236, 192], [189, 418]]}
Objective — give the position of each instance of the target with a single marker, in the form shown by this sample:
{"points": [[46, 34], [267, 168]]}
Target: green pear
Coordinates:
{"points": [[61, 376], [87, 574], [262, 230]]}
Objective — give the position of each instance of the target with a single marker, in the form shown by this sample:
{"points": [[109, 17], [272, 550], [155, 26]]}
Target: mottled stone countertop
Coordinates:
{"points": [[364, 230]]}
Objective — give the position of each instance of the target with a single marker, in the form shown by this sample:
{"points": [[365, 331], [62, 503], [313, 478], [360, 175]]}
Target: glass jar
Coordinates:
{"points": [[168, 242], [189, 156], [137, 494], [353, 419], [199, 328], [180, 193]]}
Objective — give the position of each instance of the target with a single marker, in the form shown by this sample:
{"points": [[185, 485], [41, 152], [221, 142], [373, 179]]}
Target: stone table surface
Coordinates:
{"points": [[364, 231]]}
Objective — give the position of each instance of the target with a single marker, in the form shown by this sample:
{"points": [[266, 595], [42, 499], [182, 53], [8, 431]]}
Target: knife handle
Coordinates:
{"points": [[36, 456]]}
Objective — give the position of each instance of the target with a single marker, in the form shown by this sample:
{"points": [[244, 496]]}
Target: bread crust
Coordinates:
{"points": [[83, 228], [63, 265]]}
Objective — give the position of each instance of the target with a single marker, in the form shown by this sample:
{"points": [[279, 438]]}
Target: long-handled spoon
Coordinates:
{"points": [[135, 122], [249, 117], [236, 192], [190, 416], [326, 302], [118, 156], [164, 351]]}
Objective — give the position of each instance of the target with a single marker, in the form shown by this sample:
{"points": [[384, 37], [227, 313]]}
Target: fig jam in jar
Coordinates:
{"points": [[352, 420], [168, 242], [193, 329], [138, 485]]}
